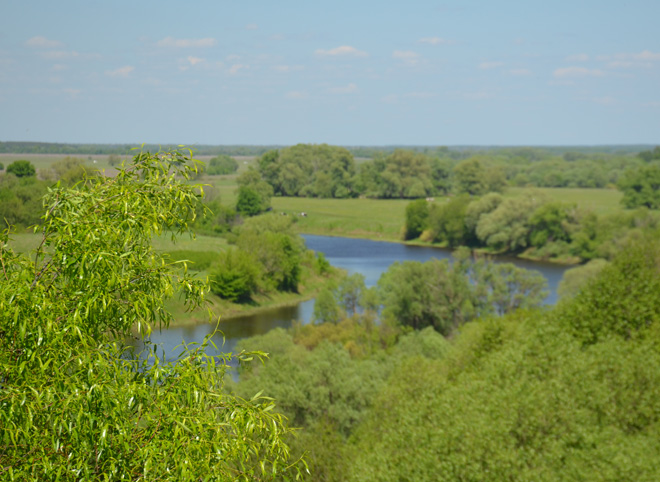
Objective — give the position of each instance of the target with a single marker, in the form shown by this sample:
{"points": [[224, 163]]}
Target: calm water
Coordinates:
{"points": [[371, 258]]}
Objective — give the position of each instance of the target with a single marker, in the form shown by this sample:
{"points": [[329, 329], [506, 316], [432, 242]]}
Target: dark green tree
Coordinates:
{"points": [[417, 218], [221, 165], [21, 169], [249, 203], [447, 222], [235, 276], [641, 187]]}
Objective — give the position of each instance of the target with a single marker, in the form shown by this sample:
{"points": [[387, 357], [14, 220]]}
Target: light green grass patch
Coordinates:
{"points": [[365, 218], [600, 201]]}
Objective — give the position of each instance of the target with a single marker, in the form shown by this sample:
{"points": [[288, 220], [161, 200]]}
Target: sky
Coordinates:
{"points": [[351, 73]]}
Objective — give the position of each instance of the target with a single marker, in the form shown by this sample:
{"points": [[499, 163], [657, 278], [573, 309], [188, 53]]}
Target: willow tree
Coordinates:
{"points": [[75, 402]]}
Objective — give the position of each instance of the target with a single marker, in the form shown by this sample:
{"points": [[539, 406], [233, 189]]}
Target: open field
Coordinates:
{"points": [[600, 201], [44, 161], [372, 218]]}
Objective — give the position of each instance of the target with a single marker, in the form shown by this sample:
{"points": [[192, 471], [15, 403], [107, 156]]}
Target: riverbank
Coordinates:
{"points": [[310, 285], [527, 255]]}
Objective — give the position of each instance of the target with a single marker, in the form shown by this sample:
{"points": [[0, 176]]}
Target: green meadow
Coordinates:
{"points": [[368, 218], [600, 201]]}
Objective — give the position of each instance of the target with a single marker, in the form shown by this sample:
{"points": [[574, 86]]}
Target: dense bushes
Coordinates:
{"points": [[641, 187], [21, 169], [529, 224], [268, 257], [222, 164], [571, 393], [309, 170]]}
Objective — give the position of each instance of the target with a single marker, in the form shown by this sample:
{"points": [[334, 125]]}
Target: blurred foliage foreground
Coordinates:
{"points": [[75, 402]]}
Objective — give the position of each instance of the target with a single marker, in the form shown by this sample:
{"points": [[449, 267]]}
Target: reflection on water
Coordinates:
{"points": [[371, 258]]}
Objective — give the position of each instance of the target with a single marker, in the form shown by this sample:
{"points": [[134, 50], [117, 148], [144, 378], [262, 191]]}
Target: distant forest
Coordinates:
{"points": [[457, 152]]}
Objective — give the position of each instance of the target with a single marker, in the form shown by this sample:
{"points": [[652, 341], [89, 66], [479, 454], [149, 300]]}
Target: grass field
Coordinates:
{"points": [[600, 201], [373, 218]]}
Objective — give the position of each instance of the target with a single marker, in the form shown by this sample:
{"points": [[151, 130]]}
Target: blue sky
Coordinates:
{"points": [[350, 73]]}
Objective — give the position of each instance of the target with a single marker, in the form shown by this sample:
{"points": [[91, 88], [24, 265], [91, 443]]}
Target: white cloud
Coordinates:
{"points": [[419, 95], [490, 65], [607, 100], [565, 72], [186, 42], [480, 95], [627, 64], [233, 70], [232, 57], [59, 54], [520, 72], [407, 56], [251, 26], [433, 40], [344, 50], [288, 68], [43, 43], [195, 60], [646, 55], [643, 59], [296, 94], [121, 71], [390, 98], [577, 58], [72, 92], [349, 89], [59, 67]]}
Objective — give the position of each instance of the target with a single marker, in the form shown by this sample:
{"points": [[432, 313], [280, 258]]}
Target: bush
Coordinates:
{"points": [[236, 276], [222, 165], [21, 169]]}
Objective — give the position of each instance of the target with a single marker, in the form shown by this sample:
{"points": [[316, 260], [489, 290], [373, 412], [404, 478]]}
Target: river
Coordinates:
{"points": [[371, 258]]}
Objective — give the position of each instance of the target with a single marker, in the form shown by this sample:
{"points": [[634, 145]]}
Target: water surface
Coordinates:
{"points": [[371, 258]]}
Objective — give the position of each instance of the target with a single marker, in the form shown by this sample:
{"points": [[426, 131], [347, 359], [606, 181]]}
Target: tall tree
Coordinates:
{"points": [[641, 187]]}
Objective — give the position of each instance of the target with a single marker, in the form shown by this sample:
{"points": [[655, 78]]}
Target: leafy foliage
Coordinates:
{"points": [[69, 170], [565, 395], [21, 169], [21, 201], [76, 404], [641, 187], [623, 301], [222, 164], [253, 194], [272, 242], [417, 215], [402, 174], [445, 296], [236, 276], [309, 170]]}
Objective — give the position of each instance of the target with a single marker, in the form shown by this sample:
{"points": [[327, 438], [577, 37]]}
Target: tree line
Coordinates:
{"points": [[325, 171], [530, 224]]}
